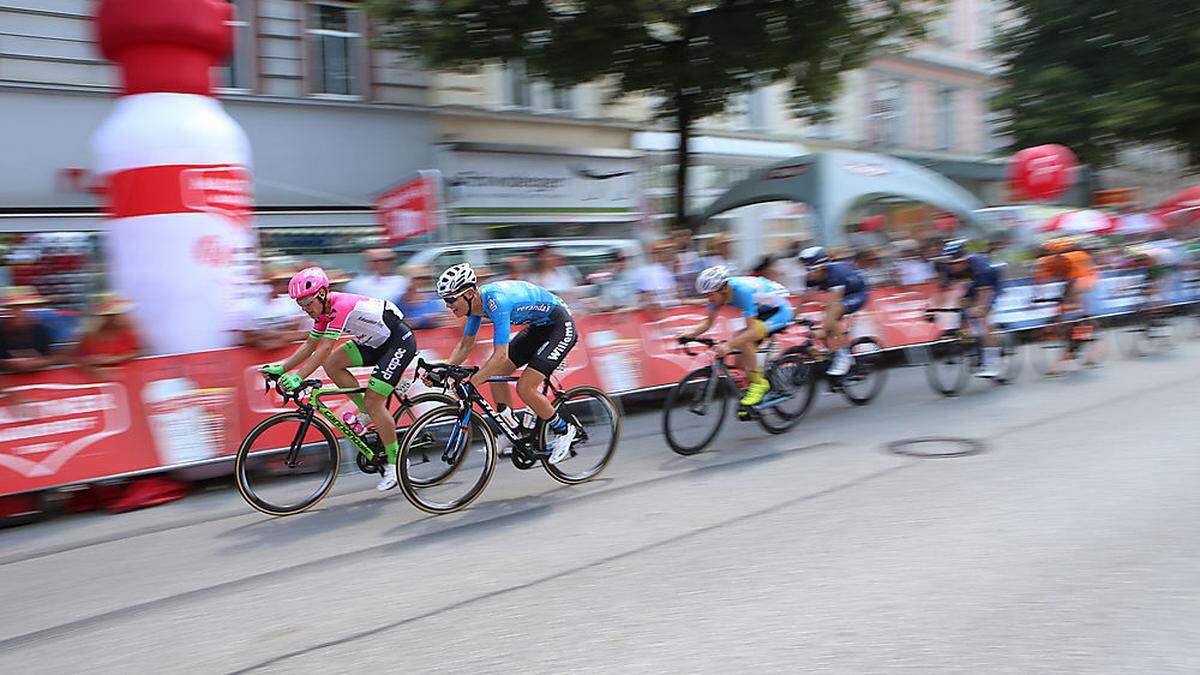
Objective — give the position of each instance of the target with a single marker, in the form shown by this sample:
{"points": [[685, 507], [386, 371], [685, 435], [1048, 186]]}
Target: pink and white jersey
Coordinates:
{"points": [[356, 316]]}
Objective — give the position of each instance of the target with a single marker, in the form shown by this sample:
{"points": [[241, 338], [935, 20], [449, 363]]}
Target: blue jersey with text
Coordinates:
{"points": [[752, 294], [514, 302]]}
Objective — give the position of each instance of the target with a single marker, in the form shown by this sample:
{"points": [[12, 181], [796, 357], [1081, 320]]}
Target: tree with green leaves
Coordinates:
{"points": [[689, 57], [1097, 75]]}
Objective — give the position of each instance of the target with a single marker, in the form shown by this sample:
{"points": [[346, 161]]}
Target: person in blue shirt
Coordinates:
{"points": [[847, 293], [983, 281], [766, 308], [543, 344]]}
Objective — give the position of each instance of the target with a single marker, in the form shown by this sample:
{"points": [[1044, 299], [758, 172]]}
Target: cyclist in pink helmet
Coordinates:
{"points": [[378, 335]]}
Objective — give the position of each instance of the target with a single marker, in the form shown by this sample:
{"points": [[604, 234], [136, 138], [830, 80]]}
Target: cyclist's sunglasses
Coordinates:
{"points": [[305, 302], [452, 299]]}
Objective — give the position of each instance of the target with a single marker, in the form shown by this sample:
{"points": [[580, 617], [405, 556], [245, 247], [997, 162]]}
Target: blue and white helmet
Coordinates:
{"points": [[712, 279], [955, 249], [814, 256], [454, 279]]}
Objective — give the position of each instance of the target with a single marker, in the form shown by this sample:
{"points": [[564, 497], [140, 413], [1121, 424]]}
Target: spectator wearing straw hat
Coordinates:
{"points": [[110, 338], [380, 279], [25, 340]]}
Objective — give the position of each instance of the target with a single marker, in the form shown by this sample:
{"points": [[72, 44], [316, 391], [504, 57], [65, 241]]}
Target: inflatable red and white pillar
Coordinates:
{"points": [[176, 167]]}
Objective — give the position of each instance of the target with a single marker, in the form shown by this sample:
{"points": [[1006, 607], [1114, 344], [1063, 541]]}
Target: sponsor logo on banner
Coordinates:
{"points": [[185, 419], [223, 190], [43, 426], [409, 210], [869, 169]]}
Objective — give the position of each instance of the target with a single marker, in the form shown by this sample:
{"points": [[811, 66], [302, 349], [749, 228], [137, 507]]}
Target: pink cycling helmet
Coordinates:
{"points": [[306, 282]]}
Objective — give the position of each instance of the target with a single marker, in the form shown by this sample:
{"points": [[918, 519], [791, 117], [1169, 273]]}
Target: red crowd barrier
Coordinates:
{"points": [[62, 426]]}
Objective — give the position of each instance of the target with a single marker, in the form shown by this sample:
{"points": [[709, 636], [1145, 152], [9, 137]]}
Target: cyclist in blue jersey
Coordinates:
{"points": [[766, 308], [543, 344], [984, 282], [847, 289]]}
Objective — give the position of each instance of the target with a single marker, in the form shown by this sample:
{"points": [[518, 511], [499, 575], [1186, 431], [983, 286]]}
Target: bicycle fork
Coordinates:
{"points": [[458, 438]]}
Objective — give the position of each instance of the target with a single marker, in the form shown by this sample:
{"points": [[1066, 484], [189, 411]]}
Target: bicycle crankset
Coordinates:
{"points": [[522, 457], [368, 466]]}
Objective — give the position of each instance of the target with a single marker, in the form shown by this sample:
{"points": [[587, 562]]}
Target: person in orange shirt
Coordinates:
{"points": [[1062, 262]]}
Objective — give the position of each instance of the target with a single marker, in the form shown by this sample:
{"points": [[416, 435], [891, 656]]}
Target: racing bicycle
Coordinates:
{"points": [[458, 439], [1077, 339], [957, 354], [696, 407], [289, 461]]}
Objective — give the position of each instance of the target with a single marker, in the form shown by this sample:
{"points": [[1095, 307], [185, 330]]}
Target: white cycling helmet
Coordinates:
{"points": [[712, 279], [454, 279]]}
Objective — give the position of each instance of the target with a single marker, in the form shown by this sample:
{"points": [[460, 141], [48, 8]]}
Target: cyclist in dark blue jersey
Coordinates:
{"points": [[847, 293], [983, 281], [543, 344]]}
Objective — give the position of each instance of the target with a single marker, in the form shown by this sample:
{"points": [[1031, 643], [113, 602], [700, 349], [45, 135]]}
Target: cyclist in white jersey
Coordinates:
{"points": [[378, 335]]}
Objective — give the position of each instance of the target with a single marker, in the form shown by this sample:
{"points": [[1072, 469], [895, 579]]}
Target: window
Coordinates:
{"points": [[943, 122], [335, 49], [826, 128], [560, 99], [237, 73], [749, 110], [518, 91], [887, 113]]}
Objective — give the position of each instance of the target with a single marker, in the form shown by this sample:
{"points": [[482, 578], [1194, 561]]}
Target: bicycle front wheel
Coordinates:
{"points": [[286, 464], [793, 381], [449, 438], [694, 411], [946, 368], [598, 420], [866, 377], [428, 472]]}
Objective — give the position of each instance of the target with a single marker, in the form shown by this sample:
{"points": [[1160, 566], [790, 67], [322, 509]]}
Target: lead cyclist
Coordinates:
{"points": [[548, 336], [380, 337]]}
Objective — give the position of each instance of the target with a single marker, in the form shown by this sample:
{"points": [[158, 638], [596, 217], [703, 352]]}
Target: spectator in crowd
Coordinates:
{"points": [[110, 338], [655, 281], [277, 321], [688, 263], [619, 292], [912, 268], [720, 252], [552, 272], [514, 267], [423, 309], [25, 342], [789, 269], [379, 280]]}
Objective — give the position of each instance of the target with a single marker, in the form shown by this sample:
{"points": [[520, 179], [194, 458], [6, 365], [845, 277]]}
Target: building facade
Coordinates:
{"points": [[332, 123]]}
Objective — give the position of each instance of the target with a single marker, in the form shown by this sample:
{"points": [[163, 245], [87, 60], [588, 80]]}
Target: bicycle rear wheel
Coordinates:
{"points": [[405, 416], [946, 367], [463, 443], [794, 381], [1047, 350], [598, 419], [867, 376], [695, 409], [286, 464]]}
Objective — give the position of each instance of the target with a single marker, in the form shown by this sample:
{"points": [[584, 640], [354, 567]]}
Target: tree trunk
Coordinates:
{"points": [[683, 117]]}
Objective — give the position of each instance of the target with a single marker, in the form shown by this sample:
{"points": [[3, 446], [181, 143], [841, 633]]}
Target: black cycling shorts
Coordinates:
{"points": [[544, 347], [391, 358]]}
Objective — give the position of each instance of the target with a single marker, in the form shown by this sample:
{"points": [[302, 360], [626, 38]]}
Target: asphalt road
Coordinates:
{"points": [[1068, 545]]}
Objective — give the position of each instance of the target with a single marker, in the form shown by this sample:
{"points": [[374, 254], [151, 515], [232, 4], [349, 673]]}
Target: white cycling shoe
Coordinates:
{"points": [[840, 364], [560, 447], [389, 478]]}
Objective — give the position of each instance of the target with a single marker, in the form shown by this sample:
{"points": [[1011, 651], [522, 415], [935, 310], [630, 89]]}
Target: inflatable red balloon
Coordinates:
{"points": [[1042, 173]]}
